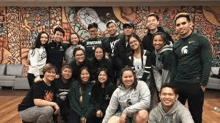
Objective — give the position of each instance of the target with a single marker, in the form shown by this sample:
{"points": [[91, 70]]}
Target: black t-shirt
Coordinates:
{"points": [[90, 45], [109, 44], [39, 90], [62, 89]]}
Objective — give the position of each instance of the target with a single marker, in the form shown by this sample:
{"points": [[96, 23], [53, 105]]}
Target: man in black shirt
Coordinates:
{"points": [[122, 49], [56, 49], [93, 41], [109, 43], [194, 59], [153, 27]]}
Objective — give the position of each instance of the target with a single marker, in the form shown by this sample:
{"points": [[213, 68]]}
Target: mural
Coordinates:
{"points": [[19, 26]]}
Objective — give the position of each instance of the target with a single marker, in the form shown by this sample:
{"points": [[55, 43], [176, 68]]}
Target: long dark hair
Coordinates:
{"points": [[38, 43], [135, 78], [70, 37], [132, 51], [79, 77], [103, 50], [98, 83]]}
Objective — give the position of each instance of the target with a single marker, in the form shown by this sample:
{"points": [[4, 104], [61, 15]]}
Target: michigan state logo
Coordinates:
{"points": [[184, 50]]}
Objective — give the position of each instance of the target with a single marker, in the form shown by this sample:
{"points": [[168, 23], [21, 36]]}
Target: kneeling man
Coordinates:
{"points": [[170, 110]]}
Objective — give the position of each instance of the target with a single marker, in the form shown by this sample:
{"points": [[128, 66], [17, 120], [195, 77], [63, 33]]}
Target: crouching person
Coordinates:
{"points": [[170, 110], [38, 105], [130, 100], [81, 107]]}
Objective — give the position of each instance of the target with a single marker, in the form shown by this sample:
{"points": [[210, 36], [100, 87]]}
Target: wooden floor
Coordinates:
{"points": [[9, 99]]}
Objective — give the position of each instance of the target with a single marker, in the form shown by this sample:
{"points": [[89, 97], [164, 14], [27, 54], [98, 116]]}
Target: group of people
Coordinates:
{"points": [[120, 78]]}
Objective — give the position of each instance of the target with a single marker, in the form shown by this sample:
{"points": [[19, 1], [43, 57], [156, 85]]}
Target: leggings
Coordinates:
{"points": [[37, 114]]}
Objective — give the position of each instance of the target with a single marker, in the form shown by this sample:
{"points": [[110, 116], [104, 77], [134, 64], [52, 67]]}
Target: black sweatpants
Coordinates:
{"points": [[195, 96]]}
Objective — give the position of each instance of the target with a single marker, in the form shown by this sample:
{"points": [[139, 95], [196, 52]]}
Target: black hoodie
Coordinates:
{"points": [[148, 41]]}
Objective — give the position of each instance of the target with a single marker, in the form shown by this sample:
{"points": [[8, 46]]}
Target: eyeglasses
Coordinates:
{"points": [[133, 42], [92, 31]]}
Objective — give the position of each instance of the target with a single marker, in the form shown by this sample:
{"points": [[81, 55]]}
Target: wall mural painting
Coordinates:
{"points": [[19, 26]]}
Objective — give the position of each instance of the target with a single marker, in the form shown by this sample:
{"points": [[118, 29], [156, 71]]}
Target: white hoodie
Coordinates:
{"points": [[129, 100], [38, 58]]}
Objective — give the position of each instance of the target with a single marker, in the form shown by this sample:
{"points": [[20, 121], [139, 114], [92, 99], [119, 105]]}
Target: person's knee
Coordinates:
{"points": [[141, 116], [113, 119], [48, 110]]}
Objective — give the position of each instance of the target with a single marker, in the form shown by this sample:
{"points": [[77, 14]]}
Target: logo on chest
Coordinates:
{"points": [[184, 50]]}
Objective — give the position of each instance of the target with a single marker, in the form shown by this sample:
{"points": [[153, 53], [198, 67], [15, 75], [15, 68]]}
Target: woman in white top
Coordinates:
{"points": [[37, 57], [74, 41], [139, 59]]}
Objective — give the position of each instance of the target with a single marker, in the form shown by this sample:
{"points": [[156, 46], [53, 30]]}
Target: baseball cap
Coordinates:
{"points": [[109, 22], [128, 24]]}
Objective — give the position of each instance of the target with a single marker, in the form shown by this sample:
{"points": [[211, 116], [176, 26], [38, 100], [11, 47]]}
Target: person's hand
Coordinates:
{"points": [[37, 79], [57, 109], [203, 88], [82, 120], [99, 113], [122, 118]]}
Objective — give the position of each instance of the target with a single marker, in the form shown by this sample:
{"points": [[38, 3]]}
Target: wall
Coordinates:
{"points": [[19, 26]]}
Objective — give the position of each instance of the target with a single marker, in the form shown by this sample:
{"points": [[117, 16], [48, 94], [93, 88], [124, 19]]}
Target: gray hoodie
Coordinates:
{"points": [[177, 114], [164, 77], [128, 100]]}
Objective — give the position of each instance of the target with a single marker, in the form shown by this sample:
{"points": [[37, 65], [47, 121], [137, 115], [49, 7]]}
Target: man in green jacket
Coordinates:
{"points": [[194, 58]]}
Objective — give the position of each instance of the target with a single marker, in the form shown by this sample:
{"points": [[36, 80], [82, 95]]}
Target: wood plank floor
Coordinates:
{"points": [[9, 99]]}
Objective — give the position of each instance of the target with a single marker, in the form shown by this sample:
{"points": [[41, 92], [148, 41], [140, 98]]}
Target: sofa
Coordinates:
{"points": [[214, 81], [12, 76]]}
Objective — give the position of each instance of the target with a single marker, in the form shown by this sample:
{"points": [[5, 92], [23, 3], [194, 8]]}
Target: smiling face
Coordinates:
{"points": [[98, 53], [158, 42], [102, 77], [183, 27], [128, 30], [112, 29], [134, 43], [74, 39], [168, 97], [43, 38], [93, 32], [79, 56], [49, 75], [128, 78], [58, 36], [152, 22], [66, 73], [84, 76]]}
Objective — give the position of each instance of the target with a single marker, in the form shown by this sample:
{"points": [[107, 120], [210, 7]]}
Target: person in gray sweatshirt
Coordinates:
{"points": [[130, 101], [169, 110]]}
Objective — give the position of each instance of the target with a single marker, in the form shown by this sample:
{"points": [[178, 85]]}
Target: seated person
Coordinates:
{"points": [[81, 107], [62, 87], [130, 100], [101, 93], [169, 110], [38, 105]]}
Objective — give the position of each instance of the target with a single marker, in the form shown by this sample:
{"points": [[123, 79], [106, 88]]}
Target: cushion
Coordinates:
{"points": [[14, 70], [215, 70], [2, 69]]}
